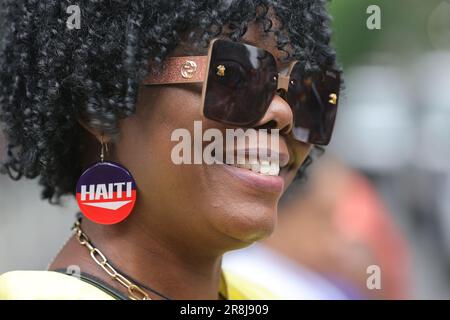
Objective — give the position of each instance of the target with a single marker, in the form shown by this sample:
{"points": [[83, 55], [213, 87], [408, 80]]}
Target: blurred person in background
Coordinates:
{"points": [[397, 95]]}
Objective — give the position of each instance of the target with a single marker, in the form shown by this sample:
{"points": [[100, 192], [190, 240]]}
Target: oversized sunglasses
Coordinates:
{"points": [[242, 80]]}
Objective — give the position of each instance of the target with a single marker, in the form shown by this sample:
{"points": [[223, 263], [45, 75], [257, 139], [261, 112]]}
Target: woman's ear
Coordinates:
{"points": [[99, 135]]}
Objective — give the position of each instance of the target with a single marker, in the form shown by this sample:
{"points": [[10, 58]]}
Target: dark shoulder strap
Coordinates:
{"points": [[100, 284]]}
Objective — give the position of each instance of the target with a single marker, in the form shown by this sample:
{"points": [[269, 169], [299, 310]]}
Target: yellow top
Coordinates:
{"points": [[51, 285]]}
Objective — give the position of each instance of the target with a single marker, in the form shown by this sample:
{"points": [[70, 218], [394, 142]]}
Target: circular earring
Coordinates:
{"points": [[106, 191]]}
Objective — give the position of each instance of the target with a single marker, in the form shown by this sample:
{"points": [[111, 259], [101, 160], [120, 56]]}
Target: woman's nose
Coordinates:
{"points": [[278, 115]]}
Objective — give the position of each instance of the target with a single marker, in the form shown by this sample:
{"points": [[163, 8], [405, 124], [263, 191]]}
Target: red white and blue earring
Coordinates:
{"points": [[106, 191]]}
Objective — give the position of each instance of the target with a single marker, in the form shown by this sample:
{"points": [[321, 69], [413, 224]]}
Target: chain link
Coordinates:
{"points": [[134, 291]]}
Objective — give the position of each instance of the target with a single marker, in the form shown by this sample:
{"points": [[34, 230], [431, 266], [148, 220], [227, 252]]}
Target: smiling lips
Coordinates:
{"points": [[265, 167], [262, 161], [257, 172]]}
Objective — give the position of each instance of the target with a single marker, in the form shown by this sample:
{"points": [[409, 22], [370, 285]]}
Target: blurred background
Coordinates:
{"points": [[380, 196]]}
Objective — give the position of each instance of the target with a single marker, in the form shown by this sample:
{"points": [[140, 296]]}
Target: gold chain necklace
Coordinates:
{"points": [[134, 291]]}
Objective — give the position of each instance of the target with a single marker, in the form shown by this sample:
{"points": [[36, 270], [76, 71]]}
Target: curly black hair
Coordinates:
{"points": [[51, 75]]}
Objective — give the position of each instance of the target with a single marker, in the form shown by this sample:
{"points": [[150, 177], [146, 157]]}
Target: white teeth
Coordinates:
{"points": [[274, 169], [264, 167], [241, 160]]}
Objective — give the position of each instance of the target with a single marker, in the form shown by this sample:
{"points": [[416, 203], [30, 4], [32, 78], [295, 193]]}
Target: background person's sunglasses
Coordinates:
{"points": [[242, 80]]}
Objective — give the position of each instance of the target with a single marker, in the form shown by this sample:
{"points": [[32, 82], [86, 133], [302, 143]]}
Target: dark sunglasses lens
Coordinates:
{"points": [[241, 83], [314, 101]]}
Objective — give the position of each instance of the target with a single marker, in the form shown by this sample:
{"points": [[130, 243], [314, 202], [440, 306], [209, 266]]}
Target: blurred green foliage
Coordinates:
{"points": [[404, 28]]}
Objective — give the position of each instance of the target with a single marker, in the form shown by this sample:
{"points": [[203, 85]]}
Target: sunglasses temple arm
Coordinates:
{"points": [[177, 70]]}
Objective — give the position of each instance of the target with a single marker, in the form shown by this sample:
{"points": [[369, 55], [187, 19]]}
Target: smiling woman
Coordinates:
{"points": [[65, 92]]}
